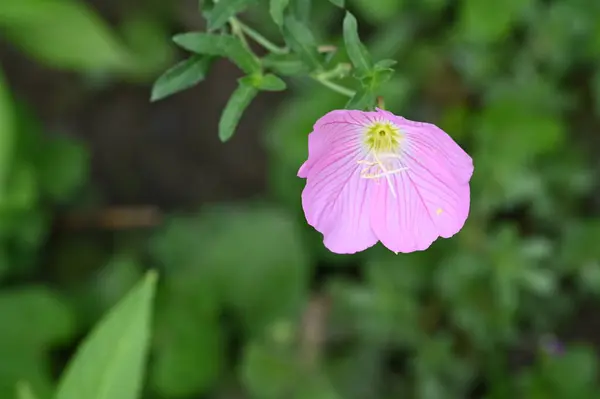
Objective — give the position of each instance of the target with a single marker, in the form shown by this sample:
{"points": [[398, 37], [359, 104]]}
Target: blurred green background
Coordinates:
{"points": [[98, 185]]}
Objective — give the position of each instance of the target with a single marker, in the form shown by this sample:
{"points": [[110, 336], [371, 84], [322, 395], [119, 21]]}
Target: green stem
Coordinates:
{"points": [[237, 30], [334, 86], [260, 39]]}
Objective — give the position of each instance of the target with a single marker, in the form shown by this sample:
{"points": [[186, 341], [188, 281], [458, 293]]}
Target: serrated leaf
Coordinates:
{"points": [[285, 64], [110, 362], [301, 40], [63, 33], [225, 9], [237, 104], [339, 3], [276, 9], [359, 56], [182, 76], [219, 45]]}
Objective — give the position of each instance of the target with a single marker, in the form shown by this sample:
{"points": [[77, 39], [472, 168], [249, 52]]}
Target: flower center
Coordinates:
{"points": [[382, 137], [382, 141]]}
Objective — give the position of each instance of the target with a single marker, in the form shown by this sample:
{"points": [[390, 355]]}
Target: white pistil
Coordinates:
{"points": [[384, 171]]}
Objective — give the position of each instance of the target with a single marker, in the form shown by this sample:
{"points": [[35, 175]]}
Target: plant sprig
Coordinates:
{"points": [[301, 56]]}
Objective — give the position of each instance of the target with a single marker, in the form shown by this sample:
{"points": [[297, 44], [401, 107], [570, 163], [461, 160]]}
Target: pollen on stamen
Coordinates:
{"points": [[382, 137]]}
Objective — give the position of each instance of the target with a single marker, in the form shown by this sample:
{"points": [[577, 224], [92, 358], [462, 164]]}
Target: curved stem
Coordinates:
{"points": [[237, 30], [335, 87], [260, 39]]}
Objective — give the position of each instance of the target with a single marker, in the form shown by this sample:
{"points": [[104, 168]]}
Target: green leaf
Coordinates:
{"points": [[277, 8], [301, 10], [144, 33], [385, 11], [25, 341], [225, 9], [63, 33], [272, 271], [301, 40], [364, 99], [189, 351], [285, 64], [182, 76], [268, 373], [237, 104], [339, 3], [219, 45], [62, 167], [7, 135], [110, 362], [385, 64], [268, 82], [359, 56], [483, 22]]}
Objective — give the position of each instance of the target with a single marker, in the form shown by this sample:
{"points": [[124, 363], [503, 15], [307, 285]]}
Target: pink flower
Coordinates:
{"points": [[375, 176]]}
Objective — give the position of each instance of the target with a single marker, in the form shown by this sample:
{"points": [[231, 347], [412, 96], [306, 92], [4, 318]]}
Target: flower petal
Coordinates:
{"points": [[337, 202], [434, 146], [335, 129], [428, 203], [316, 145]]}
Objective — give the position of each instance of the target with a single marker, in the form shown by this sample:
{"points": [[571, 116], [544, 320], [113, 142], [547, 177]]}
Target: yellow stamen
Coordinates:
{"points": [[383, 137]]}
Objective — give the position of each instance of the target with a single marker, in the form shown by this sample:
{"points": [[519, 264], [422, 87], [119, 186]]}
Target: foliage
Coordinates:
{"points": [[250, 304]]}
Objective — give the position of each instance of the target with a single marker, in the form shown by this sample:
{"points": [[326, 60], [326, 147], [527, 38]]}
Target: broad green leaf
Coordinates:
{"points": [[63, 33], [277, 8], [339, 3], [7, 135], [359, 56], [190, 344], [25, 341], [219, 45], [110, 362], [24, 391], [301, 40], [268, 82], [272, 271], [237, 104], [182, 76], [225, 9], [285, 64]]}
